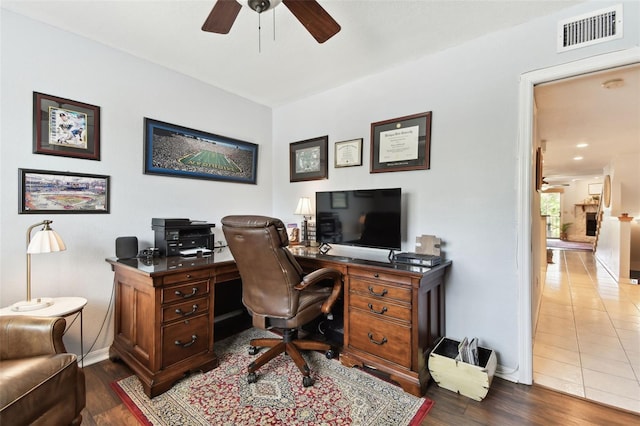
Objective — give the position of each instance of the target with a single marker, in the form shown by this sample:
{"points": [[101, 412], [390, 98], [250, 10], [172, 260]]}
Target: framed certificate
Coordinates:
{"points": [[401, 144], [348, 153]]}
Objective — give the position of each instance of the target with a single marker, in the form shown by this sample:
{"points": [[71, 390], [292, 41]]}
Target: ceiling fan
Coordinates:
{"points": [[310, 14]]}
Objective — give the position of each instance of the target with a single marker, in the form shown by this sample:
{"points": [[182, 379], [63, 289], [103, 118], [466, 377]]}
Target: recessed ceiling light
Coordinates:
{"points": [[577, 158], [582, 145], [614, 83]]}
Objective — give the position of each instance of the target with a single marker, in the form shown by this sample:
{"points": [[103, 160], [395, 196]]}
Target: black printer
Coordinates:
{"points": [[182, 237]]}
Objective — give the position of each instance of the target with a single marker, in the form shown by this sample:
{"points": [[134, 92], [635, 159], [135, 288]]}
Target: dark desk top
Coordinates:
{"points": [[160, 265], [314, 253], [220, 256]]}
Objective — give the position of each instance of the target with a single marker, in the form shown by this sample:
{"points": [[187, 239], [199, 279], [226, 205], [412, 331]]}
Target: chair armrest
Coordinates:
{"points": [[26, 336], [321, 275]]}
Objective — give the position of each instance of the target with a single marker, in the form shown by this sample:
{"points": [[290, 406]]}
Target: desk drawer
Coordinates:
{"points": [[178, 277], [385, 339], [184, 339], [185, 291], [380, 307], [375, 274], [380, 289], [185, 310]]}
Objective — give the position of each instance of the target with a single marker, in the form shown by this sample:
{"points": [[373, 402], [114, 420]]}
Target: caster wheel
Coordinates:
{"points": [[307, 381], [252, 378], [253, 350], [330, 354]]}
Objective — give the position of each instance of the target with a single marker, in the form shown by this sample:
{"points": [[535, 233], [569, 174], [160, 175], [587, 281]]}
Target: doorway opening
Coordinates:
{"points": [[550, 208]]}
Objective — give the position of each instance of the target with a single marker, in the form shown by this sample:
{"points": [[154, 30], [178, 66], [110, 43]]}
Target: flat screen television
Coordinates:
{"points": [[365, 218]]}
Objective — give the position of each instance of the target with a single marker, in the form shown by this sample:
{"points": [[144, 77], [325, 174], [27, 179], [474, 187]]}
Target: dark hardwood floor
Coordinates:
{"points": [[507, 403]]}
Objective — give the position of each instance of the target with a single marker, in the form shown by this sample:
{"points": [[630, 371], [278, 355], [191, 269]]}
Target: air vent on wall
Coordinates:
{"points": [[592, 28]]}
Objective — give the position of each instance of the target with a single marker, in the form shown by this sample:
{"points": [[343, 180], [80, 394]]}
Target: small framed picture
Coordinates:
{"points": [[66, 128], [348, 153], [44, 191], [401, 144], [308, 159]]}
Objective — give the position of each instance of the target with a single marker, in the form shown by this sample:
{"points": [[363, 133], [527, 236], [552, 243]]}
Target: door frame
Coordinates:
{"points": [[526, 190]]}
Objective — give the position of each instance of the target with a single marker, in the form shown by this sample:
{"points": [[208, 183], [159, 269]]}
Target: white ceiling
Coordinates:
{"points": [[375, 35], [580, 110]]}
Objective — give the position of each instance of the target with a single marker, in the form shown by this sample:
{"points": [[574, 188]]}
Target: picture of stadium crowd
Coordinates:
{"points": [[57, 192], [185, 153]]}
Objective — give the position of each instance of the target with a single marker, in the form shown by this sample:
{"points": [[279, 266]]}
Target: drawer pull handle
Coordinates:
{"points": [[188, 275], [194, 309], [377, 294], [186, 345], [376, 275], [194, 290], [384, 309], [377, 342]]}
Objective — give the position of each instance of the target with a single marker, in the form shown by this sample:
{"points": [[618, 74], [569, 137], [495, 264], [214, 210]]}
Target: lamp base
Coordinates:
{"points": [[32, 305]]}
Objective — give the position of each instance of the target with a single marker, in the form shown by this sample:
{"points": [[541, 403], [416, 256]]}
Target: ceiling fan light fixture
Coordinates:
{"points": [[262, 5]]}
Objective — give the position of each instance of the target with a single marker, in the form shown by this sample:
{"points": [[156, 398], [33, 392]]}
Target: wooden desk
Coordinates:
{"points": [[164, 315], [393, 314]]}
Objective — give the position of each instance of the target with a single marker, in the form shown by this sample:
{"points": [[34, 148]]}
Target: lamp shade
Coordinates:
{"points": [[46, 241], [304, 207]]}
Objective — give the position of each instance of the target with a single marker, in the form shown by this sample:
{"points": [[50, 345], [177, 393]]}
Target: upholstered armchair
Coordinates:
{"points": [[276, 291], [40, 383]]}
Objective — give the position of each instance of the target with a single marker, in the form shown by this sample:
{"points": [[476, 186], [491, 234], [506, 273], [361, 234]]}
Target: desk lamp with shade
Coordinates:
{"points": [[45, 240], [304, 209]]}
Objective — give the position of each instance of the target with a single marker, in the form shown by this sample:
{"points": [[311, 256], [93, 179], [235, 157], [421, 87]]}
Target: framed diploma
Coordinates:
{"points": [[401, 144], [308, 159], [348, 153]]}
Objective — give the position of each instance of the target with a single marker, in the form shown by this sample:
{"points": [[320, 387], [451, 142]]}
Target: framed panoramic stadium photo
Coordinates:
{"points": [[182, 152], [44, 191]]}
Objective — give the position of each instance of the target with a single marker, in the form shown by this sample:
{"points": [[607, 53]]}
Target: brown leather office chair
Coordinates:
{"points": [[275, 290]]}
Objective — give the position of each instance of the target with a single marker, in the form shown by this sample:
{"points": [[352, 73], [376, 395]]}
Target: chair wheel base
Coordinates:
{"points": [[330, 354], [307, 381], [252, 350], [252, 378]]}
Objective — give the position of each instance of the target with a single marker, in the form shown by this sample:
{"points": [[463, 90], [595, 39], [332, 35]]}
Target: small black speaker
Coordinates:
{"points": [[126, 247]]}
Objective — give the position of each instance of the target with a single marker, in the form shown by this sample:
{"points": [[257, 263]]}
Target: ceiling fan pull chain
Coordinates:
{"points": [[259, 37]]}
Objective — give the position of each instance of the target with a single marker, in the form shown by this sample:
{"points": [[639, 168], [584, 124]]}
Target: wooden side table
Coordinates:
{"points": [[61, 307]]}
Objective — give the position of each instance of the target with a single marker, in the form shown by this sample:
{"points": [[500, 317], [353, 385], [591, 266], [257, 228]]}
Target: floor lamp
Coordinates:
{"points": [[45, 240], [304, 209]]}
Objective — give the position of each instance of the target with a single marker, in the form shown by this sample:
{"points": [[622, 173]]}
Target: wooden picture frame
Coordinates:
{"points": [[401, 144], [178, 151], [65, 127], [308, 159], [45, 191], [606, 191], [539, 162], [348, 153]]}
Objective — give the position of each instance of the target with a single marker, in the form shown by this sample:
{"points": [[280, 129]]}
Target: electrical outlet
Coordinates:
{"points": [[634, 281]]}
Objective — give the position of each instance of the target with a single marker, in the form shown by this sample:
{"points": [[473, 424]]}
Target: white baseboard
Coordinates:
{"points": [[96, 356]]}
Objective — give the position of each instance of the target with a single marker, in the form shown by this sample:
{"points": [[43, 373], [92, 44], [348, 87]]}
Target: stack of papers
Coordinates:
{"points": [[468, 351], [194, 251]]}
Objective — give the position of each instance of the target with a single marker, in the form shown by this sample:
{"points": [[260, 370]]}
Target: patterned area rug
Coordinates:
{"points": [[222, 396]]}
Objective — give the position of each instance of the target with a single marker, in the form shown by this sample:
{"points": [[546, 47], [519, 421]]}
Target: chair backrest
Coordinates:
{"points": [[268, 270]]}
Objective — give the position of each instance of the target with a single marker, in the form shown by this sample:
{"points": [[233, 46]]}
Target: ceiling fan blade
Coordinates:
{"points": [[222, 16], [314, 18]]}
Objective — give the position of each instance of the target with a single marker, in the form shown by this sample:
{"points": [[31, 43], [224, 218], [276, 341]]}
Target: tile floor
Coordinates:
{"points": [[587, 339]]}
